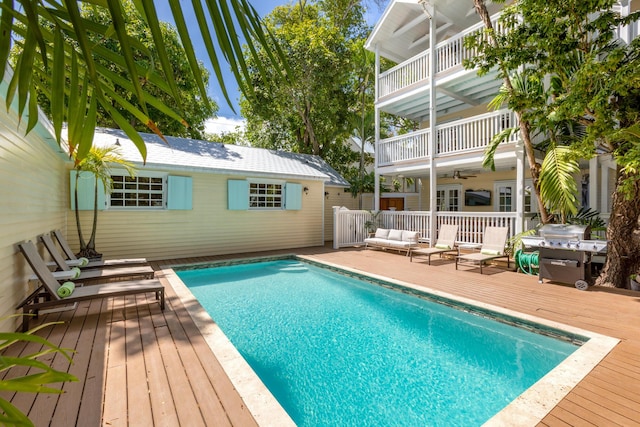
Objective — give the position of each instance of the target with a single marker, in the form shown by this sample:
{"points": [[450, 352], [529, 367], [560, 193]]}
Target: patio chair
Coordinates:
{"points": [[73, 261], [96, 274], [493, 244], [46, 295], [445, 244]]}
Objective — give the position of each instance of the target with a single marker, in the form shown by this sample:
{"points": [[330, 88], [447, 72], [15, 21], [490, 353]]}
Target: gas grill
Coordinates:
{"points": [[565, 253]]}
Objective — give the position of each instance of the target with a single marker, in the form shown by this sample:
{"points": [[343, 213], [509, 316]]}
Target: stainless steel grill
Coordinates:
{"points": [[565, 253]]}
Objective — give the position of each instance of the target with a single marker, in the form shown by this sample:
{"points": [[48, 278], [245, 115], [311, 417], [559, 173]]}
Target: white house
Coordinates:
{"points": [[430, 85]]}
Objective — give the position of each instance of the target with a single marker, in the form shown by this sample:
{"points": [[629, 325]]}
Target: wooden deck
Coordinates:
{"points": [[140, 366]]}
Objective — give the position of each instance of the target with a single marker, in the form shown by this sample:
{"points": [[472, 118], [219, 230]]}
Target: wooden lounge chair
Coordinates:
{"points": [[446, 243], [493, 243], [73, 261], [96, 274], [46, 296]]}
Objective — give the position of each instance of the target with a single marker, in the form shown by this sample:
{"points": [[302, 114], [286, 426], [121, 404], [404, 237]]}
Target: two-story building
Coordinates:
{"points": [[429, 84]]}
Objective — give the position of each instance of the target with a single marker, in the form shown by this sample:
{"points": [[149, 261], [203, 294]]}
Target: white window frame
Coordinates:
{"points": [[163, 192], [530, 206], [446, 203], [266, 182]]}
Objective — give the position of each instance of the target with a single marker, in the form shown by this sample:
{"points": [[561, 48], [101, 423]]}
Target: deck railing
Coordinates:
{"points": [[449, 54], [411, 146], [352, 227], [473, 133]]}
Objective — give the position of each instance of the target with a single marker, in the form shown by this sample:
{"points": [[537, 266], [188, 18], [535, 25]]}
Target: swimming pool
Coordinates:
{"points": [[405, 393]]}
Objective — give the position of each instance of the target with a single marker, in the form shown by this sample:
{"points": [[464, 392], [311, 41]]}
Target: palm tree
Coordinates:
{"points": [[76, 82], [98, 163]]}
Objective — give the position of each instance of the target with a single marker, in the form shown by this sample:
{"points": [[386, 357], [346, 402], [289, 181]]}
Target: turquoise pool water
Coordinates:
{"points": [[339, 351]]}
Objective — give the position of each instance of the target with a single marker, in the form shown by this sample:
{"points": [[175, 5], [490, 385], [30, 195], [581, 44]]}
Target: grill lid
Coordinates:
{"points": [[565, 231]]}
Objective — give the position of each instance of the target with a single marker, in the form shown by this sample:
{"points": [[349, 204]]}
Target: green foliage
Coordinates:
{"points": [[34, 382], [57, 56], [315, 110]]}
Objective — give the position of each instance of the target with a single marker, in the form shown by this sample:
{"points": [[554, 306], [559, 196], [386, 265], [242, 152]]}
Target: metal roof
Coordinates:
{"points": [[213, 157]]}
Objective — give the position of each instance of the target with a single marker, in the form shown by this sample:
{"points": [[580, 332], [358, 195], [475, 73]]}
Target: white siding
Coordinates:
{"points": [[210, 228], [33, 191]]}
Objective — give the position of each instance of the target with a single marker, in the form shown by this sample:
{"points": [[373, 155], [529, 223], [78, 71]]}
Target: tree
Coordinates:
{"points": [[58, 35], [195, 110], [593, 80], [97, 163], [310, 111]]}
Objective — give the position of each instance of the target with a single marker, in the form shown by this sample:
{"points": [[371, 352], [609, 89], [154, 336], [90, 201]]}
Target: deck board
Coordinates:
{"points": [[138, 365]]}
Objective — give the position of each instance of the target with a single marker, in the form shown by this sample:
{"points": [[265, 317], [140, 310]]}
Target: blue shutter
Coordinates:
{"points": [[86, 189], [238, 195], [293, 196], [179, 192]]}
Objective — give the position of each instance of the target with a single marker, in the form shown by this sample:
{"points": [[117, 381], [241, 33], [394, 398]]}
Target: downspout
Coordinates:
{"points": [[430, 11], [376, 182]]}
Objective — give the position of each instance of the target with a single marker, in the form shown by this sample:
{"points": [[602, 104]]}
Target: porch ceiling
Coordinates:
{"points": [[403, 30], [454, 93]]}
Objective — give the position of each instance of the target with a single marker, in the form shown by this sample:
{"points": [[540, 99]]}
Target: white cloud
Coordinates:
{"points": [[223, 125]]}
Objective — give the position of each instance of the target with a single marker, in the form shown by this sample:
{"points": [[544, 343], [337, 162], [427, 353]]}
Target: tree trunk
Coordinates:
{"points": [[623, 233], [525, 126]]}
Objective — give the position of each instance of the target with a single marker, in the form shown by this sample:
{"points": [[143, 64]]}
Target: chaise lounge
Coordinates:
{"points": [[493, 245], [73, 261], [446, 243], [47, 294], [66, 272], [399, 240]]}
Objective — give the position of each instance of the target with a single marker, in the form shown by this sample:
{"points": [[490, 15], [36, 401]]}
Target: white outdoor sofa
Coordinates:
{"points": [[398, 240]]}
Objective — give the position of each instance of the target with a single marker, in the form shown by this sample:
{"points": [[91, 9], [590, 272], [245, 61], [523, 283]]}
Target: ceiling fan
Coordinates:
{"points": [[458, 175]]}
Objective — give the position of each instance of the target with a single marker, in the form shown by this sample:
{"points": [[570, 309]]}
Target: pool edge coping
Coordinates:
{"points": [[529, 408]]}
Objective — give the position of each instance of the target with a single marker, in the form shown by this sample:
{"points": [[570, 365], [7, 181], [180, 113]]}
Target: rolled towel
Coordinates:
{"points": [[442, 246], [66, 289], [76, 272], [83, 261]]}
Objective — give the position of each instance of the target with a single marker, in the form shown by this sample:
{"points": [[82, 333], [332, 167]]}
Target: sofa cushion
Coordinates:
{"points": [[382, 233], [410, 236], [376, 241], [395, 235], [400, 244]]}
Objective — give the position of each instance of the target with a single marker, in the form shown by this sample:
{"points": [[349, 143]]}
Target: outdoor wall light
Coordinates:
{"points": [[306, 190]]}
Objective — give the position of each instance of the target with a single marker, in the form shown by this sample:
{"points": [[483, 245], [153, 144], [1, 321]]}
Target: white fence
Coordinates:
{"points": [[352, 227]]}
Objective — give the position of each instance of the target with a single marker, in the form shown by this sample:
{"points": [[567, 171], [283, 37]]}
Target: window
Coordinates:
{"points": [[505, 196], [448, 197], [265, 195], [137, 192]]}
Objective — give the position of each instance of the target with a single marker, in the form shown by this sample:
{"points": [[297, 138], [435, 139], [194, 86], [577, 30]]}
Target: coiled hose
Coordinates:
{"points": [[527, 262]]}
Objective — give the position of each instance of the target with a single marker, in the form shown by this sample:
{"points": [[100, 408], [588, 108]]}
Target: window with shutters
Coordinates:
{"points": [[265, 195], [137, 192]]}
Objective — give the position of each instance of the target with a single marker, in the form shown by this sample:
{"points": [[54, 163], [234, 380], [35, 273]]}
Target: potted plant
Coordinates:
{"points": [[634, 285]]}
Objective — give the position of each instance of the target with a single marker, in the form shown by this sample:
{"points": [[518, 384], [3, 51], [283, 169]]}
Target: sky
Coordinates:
{"points": [[227, 119]]}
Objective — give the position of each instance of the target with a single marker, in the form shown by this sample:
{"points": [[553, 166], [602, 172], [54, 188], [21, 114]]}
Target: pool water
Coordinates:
{"points": [[335, 350]]}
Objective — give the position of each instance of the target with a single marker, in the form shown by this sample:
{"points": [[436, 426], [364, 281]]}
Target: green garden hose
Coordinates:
{"points": [[527, 262]]}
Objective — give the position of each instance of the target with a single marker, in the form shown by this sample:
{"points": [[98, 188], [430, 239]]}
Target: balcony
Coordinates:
{"points": [[468, 135]]}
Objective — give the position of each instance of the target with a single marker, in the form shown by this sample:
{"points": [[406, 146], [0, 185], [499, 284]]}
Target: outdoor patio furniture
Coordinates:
{"points": [[446, 243], [66, 272], [399, 240], [47, 294], [493, 247], [73, 261]]}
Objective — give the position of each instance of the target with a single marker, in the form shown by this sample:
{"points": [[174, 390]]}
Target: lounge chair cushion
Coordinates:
{"points": [[410, 236], [442, 246], [395, 235], [490, 252], [382, 233]]}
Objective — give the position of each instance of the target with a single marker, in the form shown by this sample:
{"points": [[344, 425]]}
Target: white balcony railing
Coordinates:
{"points": [[463, 135], [449, 54], [405, 74], [411, 146], [473, 133]]}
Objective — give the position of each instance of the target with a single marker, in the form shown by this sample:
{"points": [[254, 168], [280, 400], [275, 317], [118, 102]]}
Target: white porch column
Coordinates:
{"points": [[604, 188], [520, 166], [430, 11], [593, 183], [376, 181]]}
